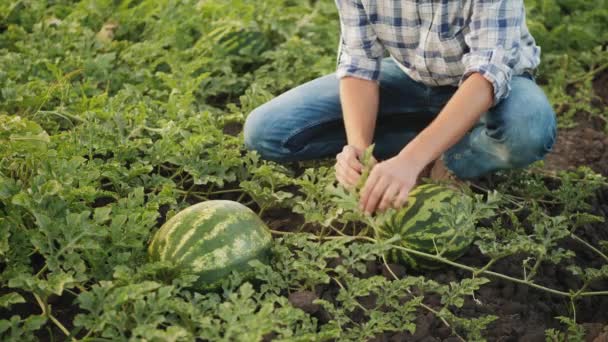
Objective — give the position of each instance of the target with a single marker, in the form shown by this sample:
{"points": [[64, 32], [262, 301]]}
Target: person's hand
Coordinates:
{"points": [[348, 166], [389, 184]]}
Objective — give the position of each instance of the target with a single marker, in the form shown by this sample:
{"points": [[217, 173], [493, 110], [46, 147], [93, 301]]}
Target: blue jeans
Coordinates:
{"points": [[306, 123]]}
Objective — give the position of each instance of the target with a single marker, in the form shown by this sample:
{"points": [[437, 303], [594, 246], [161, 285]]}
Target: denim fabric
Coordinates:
{"points": [[306, 123]]}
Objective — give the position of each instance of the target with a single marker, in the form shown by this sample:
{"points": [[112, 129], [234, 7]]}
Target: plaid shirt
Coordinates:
{"points": [[437, 42]]}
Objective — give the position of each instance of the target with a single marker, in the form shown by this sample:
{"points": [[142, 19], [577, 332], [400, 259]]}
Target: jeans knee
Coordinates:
{"points": [[252, 130], [535, 138], [259, 135], [518, 132]]}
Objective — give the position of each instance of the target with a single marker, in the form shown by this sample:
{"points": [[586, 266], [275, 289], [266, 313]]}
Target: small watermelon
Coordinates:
{"points": [[420, 228], [212, 239]]}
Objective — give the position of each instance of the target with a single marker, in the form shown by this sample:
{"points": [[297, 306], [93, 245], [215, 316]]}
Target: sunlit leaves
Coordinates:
{"points": [[103, 138]]}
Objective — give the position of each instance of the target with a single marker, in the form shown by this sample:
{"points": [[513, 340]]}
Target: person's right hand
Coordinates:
{"points": [[348, 167]]}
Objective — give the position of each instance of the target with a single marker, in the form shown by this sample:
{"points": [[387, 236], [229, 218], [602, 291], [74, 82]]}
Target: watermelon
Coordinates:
{"points": [[211, 239], [418, 224]]}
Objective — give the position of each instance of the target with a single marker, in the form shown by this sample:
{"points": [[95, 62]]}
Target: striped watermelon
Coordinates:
{"points": [[212, 239], [419, 227]]}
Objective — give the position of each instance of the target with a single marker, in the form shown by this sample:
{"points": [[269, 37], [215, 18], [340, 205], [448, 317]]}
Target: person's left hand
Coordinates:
{"points": [[388, 184]]}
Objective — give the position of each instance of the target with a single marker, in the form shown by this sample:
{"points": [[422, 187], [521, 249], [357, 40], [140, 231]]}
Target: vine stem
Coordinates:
{"points": [[553, 175], [573, 308], [47, 312], [473, 270], [426, 307], [42, 270], [594, 293], [577, 238], [226, 191], [338, 231], [588, 75], [57, 84], [486, 272], [490, 263], [314, 237], [65, 116], [513, 199], [534, 269], [344, 288], [497, 275]]}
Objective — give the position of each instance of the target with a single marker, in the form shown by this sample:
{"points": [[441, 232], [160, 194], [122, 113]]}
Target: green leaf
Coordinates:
{"points": [[11, 298]]}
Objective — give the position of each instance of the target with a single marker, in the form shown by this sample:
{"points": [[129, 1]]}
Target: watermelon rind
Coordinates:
{"points": [[212, 239], [420, 228]]}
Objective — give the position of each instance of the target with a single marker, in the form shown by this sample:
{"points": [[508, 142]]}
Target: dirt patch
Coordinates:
{"points": [[600, 86], [579, 146], [233, 128], [305, 301], [586, 144]]}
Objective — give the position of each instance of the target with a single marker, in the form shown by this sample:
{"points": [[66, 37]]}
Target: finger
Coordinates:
{"points": [[401, 199], [351, 176], [348, 170], [370, 183], [354, 163], [348, 156], [347, 173], [341, 179], [375, 194], [338, 172], [348, 181], [389, 196], [348, 151]]}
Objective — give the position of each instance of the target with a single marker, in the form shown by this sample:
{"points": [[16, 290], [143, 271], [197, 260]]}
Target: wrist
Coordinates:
{"points": [[359, 147], [415, 161], [358, 144]]}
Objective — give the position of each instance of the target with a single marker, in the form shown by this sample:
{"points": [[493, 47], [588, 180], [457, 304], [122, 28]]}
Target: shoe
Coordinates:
{"points": [[425, 173], [439, 173]]}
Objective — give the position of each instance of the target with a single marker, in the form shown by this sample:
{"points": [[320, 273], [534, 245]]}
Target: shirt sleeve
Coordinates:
{"points": [[360, 52], [494, 43]]}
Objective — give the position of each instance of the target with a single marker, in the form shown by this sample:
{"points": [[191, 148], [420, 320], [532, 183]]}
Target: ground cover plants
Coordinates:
{"points": [[115, 115]]}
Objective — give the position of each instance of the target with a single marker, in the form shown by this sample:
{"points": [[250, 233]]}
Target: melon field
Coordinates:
{"points": [[116, 115]]}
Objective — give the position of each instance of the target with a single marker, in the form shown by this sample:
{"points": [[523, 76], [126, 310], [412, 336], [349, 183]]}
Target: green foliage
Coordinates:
{"points": [[572, 36], [265, 183], [104, 136], [574, 332], [18, 329]]}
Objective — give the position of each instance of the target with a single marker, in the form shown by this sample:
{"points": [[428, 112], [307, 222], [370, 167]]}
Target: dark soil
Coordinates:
{"points": [[600, 86], [584, 145], [304, 300], [587, 143], [233, 128]]}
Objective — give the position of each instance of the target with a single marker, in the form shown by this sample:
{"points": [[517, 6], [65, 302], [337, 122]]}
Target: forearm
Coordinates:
{"points": [[359, 100], [473, 98]]}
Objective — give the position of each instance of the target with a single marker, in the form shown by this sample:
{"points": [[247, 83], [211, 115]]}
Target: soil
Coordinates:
{"points": [[587, 143], [600, 86], [583, 145]]}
